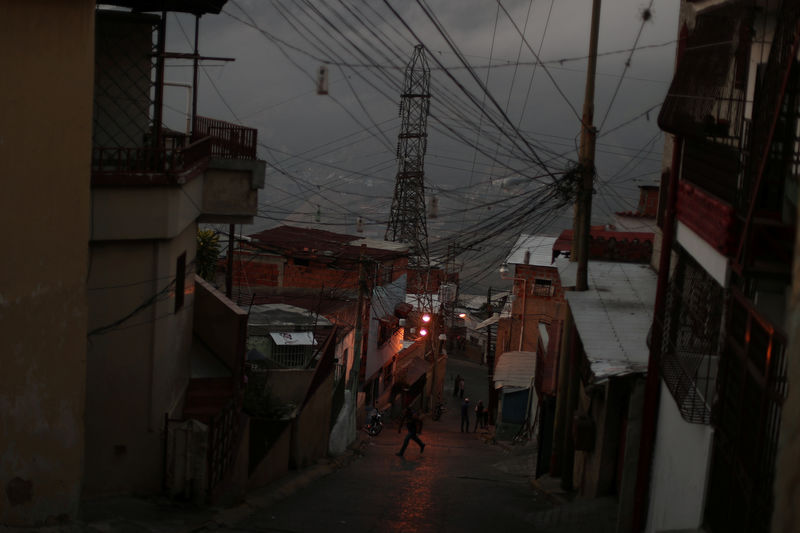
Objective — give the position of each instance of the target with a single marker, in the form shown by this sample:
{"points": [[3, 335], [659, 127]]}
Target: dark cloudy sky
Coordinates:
{"points": [[333, 157]]}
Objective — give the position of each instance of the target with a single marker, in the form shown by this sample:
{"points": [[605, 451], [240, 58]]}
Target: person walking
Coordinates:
{"points": [[478, 416], [465, 416], [456, 383], [461, 387], [414, 426]]}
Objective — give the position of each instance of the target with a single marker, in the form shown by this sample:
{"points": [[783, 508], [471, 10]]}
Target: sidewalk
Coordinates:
{"points": [[158, 514]]}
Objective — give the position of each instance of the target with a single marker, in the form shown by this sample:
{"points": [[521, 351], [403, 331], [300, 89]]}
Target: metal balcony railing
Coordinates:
{"points": [[177, 153]]}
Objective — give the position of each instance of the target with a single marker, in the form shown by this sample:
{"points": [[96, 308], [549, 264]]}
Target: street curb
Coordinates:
{"points": [[555, 498]]}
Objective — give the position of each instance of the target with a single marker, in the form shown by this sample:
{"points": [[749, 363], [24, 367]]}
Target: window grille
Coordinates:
{"points": [[542, 287], [292, 356], [747, 417], [691, 341]]}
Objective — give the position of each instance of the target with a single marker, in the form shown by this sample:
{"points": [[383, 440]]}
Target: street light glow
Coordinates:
{"points": [[426, 318], [423, 332]]}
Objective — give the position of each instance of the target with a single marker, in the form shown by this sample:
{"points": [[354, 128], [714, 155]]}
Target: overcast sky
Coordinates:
{"points": [[336, 154]]}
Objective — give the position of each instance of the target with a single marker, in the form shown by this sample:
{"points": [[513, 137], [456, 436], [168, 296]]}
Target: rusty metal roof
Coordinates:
{"points": [[309, 242]]}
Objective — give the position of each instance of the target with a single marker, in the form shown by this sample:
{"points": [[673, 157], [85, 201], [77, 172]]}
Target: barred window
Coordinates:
{"points": [[691, 342]]}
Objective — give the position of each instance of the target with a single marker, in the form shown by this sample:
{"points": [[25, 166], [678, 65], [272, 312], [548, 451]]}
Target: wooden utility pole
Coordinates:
{"points": [[583, 206], [355, 369]]}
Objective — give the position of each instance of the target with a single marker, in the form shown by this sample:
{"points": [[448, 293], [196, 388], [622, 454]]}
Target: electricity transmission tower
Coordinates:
{"points": [[407, 220]]}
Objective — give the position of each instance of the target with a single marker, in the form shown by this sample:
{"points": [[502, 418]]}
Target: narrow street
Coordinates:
{"points": [[460, 483]]}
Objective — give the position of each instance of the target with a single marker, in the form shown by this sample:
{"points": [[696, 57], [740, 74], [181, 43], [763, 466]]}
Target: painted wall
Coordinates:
{"points": [[289, 385], [384, 299], [787, 483], [311, 428], [138, 358], [680, 469], [45, 148]]}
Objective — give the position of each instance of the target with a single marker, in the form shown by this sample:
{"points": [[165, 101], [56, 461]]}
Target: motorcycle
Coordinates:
{"points": [[438, 411], [375, 424]]}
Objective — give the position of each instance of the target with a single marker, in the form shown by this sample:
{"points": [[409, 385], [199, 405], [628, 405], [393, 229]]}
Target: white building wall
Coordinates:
{"points": [[680, 470]]}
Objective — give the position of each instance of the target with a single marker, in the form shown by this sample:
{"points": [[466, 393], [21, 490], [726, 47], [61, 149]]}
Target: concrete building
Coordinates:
{"points": [[718, 378], [328, 265], [150, 189], [44, 167], [601, 393], [107, 324]]}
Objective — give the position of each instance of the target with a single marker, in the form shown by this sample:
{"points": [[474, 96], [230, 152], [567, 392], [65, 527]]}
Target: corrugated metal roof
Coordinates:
{"points": [[515, 369], [299, 241], [614, 316], [539, 246]]}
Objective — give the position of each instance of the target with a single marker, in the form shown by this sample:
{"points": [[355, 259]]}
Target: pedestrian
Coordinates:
{"points": [[465, 416], [478, 416], [414, 426], [485, 415], [456, 383], [461, 387]]}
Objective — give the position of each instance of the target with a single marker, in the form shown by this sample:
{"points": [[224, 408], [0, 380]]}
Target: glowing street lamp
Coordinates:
{"points": [[426, 318], [423, 332]]}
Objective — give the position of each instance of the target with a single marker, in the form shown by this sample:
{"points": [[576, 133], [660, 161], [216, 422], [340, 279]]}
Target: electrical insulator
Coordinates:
{"points": [[322, 80], [433, 211], [360, 225], [318, 214]]}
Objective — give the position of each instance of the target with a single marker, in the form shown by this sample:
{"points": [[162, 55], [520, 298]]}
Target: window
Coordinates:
{"points": [[180, 281], [691, 341], [542, 287]]}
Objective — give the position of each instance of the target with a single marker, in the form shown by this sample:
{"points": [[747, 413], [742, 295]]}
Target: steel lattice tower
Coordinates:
{"points": [[407, 220]]}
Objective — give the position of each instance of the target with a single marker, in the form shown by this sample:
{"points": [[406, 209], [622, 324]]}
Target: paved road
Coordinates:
{"points": [[461, 483]]}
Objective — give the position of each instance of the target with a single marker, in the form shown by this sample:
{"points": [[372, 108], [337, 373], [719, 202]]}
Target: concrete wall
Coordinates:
{"points": [[221, 325], [680, 469], [149, 212], [311, 428], [787, 483], [289, 385], [595, 471], [275, 464], [45, 147], [231, 189], [138, 358]]}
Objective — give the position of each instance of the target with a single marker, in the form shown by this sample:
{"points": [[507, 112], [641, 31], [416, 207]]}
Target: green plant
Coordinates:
{"points": [[207, 254]]}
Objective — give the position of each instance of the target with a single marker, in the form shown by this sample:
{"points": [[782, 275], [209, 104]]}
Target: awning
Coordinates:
{"points": [[295, 338], [494, 319], [515, 370]]}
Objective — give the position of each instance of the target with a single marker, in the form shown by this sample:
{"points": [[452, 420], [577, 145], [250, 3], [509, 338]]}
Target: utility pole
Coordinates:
{"points": [[583, 206], [490, 357], [358, 335]]}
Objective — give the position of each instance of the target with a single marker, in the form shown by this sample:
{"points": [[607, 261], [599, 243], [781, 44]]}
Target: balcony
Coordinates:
{"points": [[709, 217], [154, 192], [177, 158]]}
